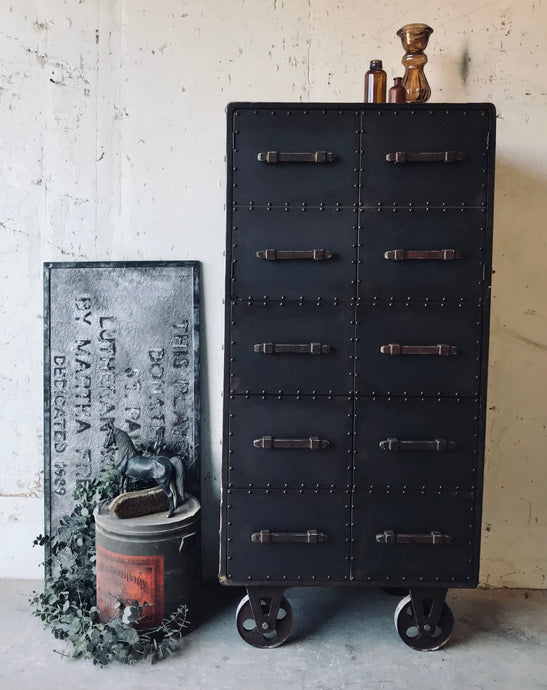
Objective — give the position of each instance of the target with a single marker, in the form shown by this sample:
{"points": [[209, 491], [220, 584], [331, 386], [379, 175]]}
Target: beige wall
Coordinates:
{"points": [[112, 144]]}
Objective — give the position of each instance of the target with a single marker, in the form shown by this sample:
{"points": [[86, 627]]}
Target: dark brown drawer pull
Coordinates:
{"points": [[311, 443], [439, 445], [390, 537], [288, 255], [287, 348], [425, 157], [439, 350], [429, 254], [292, 157], [311, 536]]}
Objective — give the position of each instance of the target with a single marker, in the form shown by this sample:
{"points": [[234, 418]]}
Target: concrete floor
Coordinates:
{"points": [[341, 639]]}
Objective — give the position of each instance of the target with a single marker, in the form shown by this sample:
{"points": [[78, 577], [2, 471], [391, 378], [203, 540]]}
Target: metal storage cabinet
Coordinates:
{"points": [[357, 312]]}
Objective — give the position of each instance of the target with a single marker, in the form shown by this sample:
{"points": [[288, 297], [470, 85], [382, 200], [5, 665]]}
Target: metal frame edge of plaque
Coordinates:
{"points": [[191, 297]]}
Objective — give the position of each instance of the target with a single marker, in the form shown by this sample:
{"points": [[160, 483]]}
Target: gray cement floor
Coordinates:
{"points": [[341, 639]]}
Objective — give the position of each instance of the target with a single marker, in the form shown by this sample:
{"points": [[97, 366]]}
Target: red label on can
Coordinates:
{"points": [[133, 581]]}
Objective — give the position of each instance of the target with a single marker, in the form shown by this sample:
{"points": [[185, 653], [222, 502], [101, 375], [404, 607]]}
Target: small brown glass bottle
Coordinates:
{"points": [[375, 83], [397, 93]]}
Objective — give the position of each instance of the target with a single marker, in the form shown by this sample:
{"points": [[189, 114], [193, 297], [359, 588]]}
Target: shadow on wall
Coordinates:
{"points": [[519, 286], [514, 508]]}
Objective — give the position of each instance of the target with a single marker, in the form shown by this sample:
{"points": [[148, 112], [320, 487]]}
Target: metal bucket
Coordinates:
{"points": [[148, 566]]}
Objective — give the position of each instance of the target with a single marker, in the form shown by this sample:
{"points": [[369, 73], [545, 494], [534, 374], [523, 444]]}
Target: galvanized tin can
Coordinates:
{"points": [[148, 566]]}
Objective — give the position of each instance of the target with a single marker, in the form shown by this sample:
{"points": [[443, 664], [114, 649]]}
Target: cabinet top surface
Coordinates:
{"points": [[423, 107]]}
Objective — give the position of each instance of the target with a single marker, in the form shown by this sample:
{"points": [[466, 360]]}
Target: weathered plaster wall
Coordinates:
{"points": [[112, 148]]}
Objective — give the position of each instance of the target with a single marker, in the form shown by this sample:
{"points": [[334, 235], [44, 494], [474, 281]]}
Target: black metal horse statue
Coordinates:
{"points": [[167, 472]]}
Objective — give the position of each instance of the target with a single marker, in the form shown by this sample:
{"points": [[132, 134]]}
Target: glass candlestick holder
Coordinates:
{"points": [[414, 38]]}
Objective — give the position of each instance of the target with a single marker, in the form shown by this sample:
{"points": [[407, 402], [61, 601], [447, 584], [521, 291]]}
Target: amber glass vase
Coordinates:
{"points": [[414, 38]]}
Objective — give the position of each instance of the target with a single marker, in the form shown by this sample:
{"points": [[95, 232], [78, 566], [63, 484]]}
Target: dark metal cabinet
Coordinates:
{"points": [[357, 310]]}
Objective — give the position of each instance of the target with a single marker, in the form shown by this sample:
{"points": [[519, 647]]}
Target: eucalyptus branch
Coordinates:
{"points": [[68, 605]]}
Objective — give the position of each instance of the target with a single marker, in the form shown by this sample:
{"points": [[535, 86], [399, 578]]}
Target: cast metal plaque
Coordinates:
{"points": [[121, 346]]}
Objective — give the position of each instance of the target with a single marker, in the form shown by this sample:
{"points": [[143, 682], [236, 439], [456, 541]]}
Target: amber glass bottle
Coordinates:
{"points": [[375, 83], [397, 93]]}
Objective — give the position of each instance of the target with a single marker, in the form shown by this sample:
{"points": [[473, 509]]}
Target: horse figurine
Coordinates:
{"points": [[167, 472]]}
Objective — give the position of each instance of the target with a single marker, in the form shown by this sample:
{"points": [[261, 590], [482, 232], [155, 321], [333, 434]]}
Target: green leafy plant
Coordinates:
{"points": [[69, 605]]}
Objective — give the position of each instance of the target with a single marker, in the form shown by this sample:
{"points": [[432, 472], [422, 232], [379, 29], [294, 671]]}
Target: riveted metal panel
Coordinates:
{"points": [[462, 275], [407, 513], [324, 463], [440, 466], [404, 345], [249, 512], [416, 130], [257, 324], [259, 129], [294, 252], [411, 324]]}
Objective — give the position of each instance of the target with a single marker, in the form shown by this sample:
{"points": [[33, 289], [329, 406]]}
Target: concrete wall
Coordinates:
{"points": [[112, 148]]}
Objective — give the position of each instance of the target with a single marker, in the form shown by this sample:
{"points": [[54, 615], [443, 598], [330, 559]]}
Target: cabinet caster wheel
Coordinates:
{"points": [[264, 635], [430, 637]]}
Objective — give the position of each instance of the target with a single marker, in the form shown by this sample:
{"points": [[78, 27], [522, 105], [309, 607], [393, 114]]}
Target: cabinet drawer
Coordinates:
{"points": [[259, 131], [325, 515], [406, 514], [290, 442], [422, 254], [390, 133], [291, 347], [295, 253], [417, 442], [381, 328]]}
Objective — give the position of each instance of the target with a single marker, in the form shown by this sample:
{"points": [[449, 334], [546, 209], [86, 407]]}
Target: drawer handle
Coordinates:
{"points": [[429, 254], [439, 445], [425, 157], [440, 350], [298, 349], [388, 536], [311, 536], [288, 255], [293, 157], [311, 443]]}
